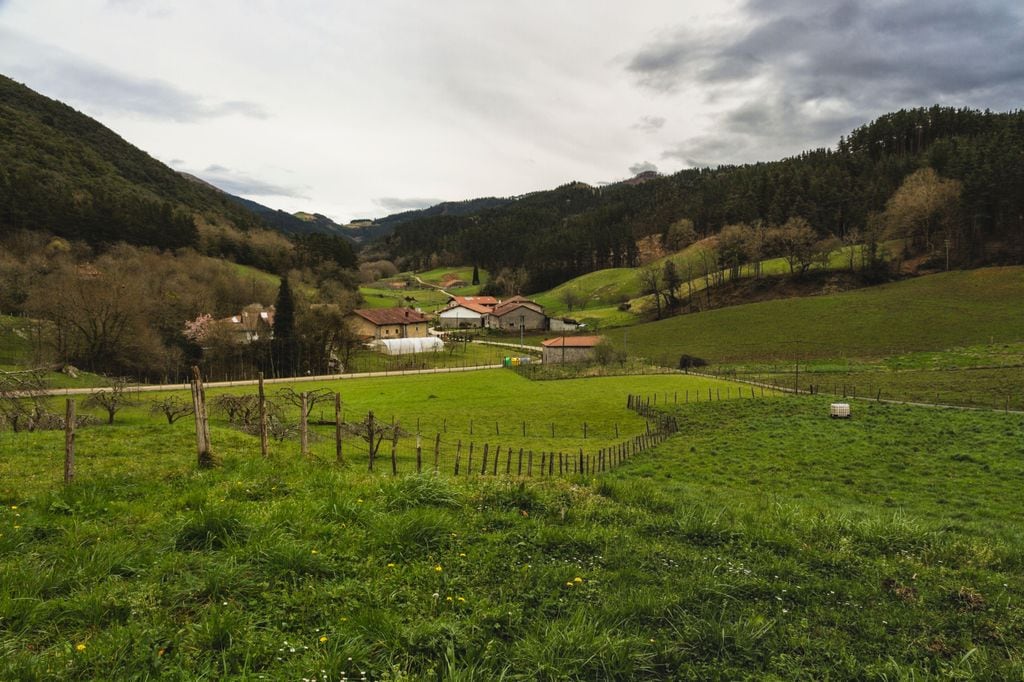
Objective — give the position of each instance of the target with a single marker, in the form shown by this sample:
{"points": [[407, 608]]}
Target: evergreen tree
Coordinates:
{"points": [[285, 348], [476, 275]]}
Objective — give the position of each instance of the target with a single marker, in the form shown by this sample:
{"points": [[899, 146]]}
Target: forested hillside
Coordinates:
{"points": [[972, 196], [66, 173]]}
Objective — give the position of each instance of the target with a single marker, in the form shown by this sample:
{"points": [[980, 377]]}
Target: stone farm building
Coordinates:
{"points": [[570, 349], [254, 323], [466, 311], [388, 323], [517, 312]]}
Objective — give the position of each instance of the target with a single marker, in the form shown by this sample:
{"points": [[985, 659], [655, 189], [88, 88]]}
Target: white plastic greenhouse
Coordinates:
{"points": [[405, 346]]}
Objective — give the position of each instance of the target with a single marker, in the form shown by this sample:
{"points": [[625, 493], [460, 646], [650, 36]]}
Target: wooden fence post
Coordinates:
{"points": [[437, 450], [69, 441], [394, 452], [337, 430], [529, 464], [370, 434], [205, 458], [520, 473], [483, 469], [458, 456], [303, 424], [543, 463], [508, 463], [469, 462], [264, 438], [419, 454]]}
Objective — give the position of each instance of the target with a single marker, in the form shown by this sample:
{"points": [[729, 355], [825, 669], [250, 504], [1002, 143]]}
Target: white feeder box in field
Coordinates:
{"points": [[839, 410]]}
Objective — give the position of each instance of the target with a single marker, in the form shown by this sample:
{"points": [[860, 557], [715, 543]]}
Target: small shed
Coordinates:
{"points": [[570, 348], [422, 344]]}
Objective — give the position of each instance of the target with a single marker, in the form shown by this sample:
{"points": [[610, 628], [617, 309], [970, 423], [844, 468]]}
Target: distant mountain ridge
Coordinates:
{"points": [[298, 223]]}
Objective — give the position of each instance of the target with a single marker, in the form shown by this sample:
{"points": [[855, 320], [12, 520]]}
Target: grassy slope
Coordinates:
{"points": [[927, 313], [766, 541], [604, 290]]}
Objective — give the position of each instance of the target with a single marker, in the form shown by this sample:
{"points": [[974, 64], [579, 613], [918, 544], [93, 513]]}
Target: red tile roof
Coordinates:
{"points": [[573, 342], [382, 316], [510, 305], [480, 309], [488, 301]]}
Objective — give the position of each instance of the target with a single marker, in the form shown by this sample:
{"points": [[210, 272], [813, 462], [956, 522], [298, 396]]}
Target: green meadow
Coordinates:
{"points": [[763, 541], [931, 313]]}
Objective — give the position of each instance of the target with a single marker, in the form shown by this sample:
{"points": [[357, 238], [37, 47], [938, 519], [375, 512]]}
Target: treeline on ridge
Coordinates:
{"points": [[842, 192]]}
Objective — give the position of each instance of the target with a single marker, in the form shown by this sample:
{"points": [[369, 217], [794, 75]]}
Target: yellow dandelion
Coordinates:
{"points": [[577, 579], [391, 565], [447, 598], [438, 568], [323, 638], [80, 646], [462, 599], [462, 554], [314, 552], [14, 506], [570, 584]]}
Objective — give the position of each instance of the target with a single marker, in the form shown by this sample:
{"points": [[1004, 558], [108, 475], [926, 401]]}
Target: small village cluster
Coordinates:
{"points": [[397, 331]]}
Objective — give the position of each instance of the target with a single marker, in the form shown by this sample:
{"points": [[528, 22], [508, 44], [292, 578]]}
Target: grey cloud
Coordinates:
{"points": [[399, 204], [804, 73], [650, 123], [642, 167], [707, 150], [105, 89], [71, 78], [235, 182]]}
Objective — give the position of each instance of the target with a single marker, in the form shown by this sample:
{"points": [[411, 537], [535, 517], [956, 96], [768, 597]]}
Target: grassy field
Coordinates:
{"points": [[602, 291], [764, 541], [930, 313], [380, 295], [492, 407]]}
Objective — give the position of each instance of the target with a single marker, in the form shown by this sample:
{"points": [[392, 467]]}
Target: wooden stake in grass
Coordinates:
{"points": [[437, 451], [419, 454], [264, 439], [394, 452], [370, 438], [69, 441], [337, 429], [303, 425], [483, 469], [205, 458], [458, 456]]}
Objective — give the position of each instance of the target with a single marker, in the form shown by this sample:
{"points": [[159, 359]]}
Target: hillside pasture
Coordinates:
{"points": [[933, 312], [764, 541]]}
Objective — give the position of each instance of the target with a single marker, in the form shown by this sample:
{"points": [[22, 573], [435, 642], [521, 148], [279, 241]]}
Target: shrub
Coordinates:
{"points": [[688, 361]]}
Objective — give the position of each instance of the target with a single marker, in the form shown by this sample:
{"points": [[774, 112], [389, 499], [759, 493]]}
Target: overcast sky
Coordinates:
{"points": [[360, 109]]}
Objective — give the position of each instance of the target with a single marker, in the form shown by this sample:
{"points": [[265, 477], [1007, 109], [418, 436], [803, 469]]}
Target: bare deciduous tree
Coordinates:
{"points": [[113, 399], [172, 407]]}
